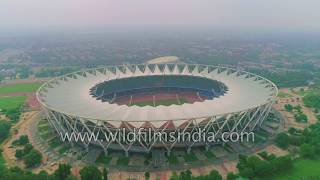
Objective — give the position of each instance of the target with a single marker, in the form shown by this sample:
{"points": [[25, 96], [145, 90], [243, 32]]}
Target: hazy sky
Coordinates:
{"points": [[256, 14]]}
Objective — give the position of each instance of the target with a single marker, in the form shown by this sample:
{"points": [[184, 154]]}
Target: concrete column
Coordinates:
{"points": [[105, 152], [207, 147], [168, 152], [189, 150]]}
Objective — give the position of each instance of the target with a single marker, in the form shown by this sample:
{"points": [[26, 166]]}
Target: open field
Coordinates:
{"points": [[283, 95], [32, 87], [303, 92], [8, 103], [302, 169]]}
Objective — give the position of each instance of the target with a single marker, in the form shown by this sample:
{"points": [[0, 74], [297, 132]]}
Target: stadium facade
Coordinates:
{"points": [[161, 97]]}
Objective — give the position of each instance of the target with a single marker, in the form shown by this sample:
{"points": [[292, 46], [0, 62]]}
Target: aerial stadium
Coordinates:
{"points": [[160, 97]]}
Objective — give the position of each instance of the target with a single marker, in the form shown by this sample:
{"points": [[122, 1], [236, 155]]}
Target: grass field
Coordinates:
{"points": [[32, 87], [164, 102], [283, 95], [8, 103], [302, 169], [309, 91]]}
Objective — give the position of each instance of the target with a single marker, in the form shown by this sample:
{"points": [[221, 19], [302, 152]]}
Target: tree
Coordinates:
{"points": [[23, 139], [214, 175], [282, 163], [301, 117], [33, 158], [182, 175], [188, 175], [242, 163], [247, 172], [63, 171], [263, 168], [282, 140], [312, 100], [307, 150], [70, 177], [263, 154], [147, 175], [27, 148], [174, 176], [288, 107], [231, 176], [90, 173], [105, 174], [13, 114], [19, 154], [252, 161], [298, 108], [16, 173], [43, 175], [292, 130], [4, 130]]}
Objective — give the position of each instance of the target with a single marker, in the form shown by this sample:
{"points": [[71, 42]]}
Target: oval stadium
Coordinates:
{"points": [[161, 98]]}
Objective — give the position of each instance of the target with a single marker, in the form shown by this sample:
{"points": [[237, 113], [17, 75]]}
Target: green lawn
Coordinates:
{"points": [[19, 88], [302, 169], [8, 103]]}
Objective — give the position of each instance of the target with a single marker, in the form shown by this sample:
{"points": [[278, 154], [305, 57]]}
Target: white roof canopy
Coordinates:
{"points": [[70, 94]]}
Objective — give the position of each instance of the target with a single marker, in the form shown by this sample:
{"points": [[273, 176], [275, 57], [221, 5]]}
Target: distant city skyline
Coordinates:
{"points": [[284, 15]]}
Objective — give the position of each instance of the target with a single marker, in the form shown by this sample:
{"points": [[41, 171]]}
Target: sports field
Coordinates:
{"points": [[14, 102], [17, 88]]}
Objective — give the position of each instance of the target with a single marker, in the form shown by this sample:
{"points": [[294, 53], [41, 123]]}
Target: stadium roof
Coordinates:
{"points": [[70, 94]]}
